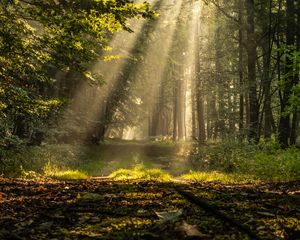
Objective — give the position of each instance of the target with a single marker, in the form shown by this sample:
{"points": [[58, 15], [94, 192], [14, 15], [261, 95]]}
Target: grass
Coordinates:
{"points": [[264, 162], [226, 178], [67, 174], [227, 162], [140, 172], [52, 171]]}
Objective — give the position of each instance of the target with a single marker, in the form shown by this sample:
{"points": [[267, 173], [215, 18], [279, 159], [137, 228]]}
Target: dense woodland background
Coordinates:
{"points": [[229, 70], [163, 119]]}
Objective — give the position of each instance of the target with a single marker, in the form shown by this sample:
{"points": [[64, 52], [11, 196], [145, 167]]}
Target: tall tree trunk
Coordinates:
{"points": [[175, 114], [284, 122], [180, 102], [199, 92], [267, 48], [194, 110], [295, 120], [241, 72], [251, 51], [218, 76]]}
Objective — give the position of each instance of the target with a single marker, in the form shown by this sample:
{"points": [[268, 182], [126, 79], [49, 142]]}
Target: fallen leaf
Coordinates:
{"points": [[186, 230], [169, 216]]}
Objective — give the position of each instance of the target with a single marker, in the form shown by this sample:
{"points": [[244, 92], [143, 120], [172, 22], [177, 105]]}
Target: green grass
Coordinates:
{"points": [[140, 172], [68, 174], [265, 162], [226, 162], [52, 171], [226, 178]]}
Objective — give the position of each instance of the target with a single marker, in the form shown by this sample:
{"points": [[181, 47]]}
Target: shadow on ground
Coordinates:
{"points": [[106, 209]]}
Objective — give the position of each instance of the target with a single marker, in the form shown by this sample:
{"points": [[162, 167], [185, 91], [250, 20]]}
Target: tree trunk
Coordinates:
{"points": [[251, 51], [241, 73], [284, 122], [295, 120], [267, 48], [199, 93]]}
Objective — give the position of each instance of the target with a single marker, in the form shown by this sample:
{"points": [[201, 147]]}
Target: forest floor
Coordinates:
{"points": [[100, 208]]}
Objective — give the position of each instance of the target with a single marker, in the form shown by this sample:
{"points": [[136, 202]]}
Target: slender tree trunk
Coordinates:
{"points": [[267, 48], [241, 72], [251, 51], [175, 114], [180, 101], [218, 76], [193, 101], [284, 122], [199, 93], [295, 120]]}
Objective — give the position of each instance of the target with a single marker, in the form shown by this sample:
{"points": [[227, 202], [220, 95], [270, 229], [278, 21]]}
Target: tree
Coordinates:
{"points": [[40, 38], [251, 62], [284, 122]]}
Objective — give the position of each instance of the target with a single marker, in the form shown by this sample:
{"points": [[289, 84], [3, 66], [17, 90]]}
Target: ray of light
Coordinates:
{"points": [[155, 60], [88, 100]]}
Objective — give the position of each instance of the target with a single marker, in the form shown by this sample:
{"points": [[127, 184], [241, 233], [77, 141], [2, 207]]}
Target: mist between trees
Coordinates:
{"points": [[83, 72]]}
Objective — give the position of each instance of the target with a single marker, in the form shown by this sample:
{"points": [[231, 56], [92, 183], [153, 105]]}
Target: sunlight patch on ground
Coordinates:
{"points": [[67, 174], [51, 171], [140, 172], [213, 176]]}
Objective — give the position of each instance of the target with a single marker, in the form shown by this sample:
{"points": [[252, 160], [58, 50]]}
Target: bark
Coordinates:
{"points": [[199, 93], [175, 115], [284, 122], [251, 51], [218, 78], [267, 48], [295, 120], [241, 72]]}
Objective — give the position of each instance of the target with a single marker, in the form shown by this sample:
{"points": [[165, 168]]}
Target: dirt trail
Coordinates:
{"points": [[170, 158]]}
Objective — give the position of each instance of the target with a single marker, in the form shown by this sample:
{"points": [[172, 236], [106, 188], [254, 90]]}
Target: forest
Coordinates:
{"points": [[157, 119]]}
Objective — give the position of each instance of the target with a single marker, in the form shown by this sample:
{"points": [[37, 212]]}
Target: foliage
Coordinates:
{"points": [[294, 99], [229, 161], [265, 162], [39, 39]]}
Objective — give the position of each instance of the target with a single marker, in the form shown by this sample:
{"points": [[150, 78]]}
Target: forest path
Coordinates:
{"points": [[106, 158], [107, 209]]}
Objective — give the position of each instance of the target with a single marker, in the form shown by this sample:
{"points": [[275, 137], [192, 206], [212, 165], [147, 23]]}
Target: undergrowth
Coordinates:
{"points": [[140, 172], [228, 162], [266, 162]]}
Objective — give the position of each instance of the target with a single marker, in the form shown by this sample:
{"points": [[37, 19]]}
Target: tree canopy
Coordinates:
{"points": [[40, 38]]}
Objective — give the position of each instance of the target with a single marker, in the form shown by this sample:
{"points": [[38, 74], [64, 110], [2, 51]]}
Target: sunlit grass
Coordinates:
{"points": [[226, 178], [52, 171], [68, 174], [140, 172]]}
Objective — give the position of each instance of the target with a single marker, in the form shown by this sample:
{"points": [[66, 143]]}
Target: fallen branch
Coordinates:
{"points": [[207, 207]]}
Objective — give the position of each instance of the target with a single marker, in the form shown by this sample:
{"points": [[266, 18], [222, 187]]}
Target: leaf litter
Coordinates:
{"points": [[107, 209]]}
